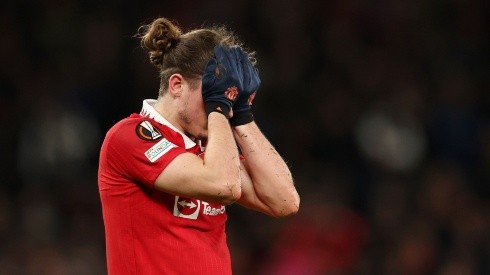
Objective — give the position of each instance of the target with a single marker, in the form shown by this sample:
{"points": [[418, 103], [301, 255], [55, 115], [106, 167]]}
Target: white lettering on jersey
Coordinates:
{"points": [[159, 149], [212, 211], [189, 208]]}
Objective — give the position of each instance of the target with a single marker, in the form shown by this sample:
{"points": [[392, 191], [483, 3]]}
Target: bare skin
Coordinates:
{"points": [[262, 181]]}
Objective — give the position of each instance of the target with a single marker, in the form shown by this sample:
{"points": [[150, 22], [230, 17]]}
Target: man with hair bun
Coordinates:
{"points": [[167, 174]]}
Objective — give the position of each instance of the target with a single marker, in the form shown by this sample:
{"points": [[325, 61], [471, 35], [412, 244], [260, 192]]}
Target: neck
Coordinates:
{"points": [[165, 107]]}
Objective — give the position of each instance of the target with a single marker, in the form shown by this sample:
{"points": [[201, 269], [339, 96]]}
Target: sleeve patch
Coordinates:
{"points": [[146, 131], [159, 149]]}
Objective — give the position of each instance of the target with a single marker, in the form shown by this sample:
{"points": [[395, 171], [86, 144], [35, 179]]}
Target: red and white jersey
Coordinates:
{"points": [[148, 231]]}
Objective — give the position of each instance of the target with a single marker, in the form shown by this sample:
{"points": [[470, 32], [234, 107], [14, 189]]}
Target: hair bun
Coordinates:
{"points": [[158, 37]]}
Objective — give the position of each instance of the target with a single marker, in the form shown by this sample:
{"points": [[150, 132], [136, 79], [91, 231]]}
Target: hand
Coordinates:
{"points": [[242, 113], [222, 80]]}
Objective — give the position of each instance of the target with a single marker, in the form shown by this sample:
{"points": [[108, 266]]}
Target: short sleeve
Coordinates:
{"points": [[141, 158]]}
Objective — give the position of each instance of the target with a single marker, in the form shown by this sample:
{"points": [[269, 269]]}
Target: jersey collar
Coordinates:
{"points": [[149, 111]]}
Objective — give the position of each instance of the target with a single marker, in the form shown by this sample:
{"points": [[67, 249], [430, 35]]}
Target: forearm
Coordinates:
{"points": [[270, 176], [221, 158], [213, 178]]}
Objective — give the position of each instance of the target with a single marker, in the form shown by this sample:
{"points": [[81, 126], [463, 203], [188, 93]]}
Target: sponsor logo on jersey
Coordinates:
{"points": [[191, 208], [159, 149], [212, 211], [147, 132], [186, 208]]}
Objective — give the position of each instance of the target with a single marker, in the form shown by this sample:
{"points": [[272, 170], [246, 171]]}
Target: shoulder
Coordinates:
{"points": [[140, 130], [125, 125]]}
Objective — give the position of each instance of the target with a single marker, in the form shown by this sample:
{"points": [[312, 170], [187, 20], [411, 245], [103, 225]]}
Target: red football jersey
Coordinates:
{"points": [[148, 231]]}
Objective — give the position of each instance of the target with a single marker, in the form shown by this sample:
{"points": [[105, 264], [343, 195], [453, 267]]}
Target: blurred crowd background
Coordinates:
{"points": [[381, 109]]}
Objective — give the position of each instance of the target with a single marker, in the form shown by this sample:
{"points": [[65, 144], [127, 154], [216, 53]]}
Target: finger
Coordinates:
{"points": [[248, 70], [237, 51], [209, 75], [240, 70], [211, 65], [221, 53]]}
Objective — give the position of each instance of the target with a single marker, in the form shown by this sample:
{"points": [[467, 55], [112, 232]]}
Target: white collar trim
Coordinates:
{"points": [[148, 110]]}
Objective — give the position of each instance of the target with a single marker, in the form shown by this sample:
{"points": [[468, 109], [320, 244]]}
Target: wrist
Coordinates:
{"points": [[219, 107], [241, 118]]}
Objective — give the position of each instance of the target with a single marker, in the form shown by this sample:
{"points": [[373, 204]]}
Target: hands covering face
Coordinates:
{"points": [[230, 81]]}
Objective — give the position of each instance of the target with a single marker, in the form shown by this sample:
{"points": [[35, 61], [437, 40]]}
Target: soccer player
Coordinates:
{"points": [[167, 173]]}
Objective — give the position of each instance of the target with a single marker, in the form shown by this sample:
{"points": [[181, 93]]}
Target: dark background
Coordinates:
{"points": [[379, 107]]}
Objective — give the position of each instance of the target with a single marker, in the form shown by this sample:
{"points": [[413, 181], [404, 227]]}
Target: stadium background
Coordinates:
{"points": [[379, 107]]}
